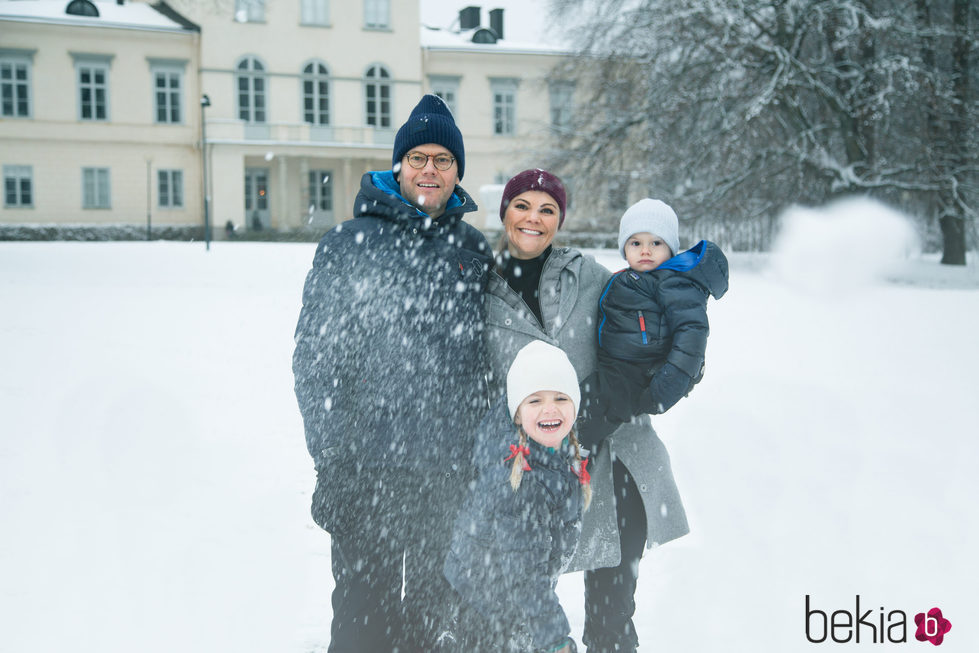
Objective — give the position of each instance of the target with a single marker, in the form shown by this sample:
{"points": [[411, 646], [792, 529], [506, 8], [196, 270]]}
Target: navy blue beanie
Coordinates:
{"points": [[430, 122]]}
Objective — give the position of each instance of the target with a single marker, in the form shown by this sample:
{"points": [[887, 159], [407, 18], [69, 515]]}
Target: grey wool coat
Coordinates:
{"points": [[570, 286]]}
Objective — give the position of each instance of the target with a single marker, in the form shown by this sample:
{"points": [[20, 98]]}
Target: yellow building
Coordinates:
{"points": [[98, 115], [298, 97], [502, 95]]}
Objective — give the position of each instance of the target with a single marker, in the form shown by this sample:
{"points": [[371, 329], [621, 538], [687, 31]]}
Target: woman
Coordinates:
{"points": [[542, 292]]}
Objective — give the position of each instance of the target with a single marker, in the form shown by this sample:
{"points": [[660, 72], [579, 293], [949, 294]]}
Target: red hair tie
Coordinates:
{"points": [[583, 474], [514, 450]]}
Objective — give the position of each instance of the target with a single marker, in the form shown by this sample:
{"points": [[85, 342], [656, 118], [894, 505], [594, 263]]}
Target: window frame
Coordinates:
{"points": [[171, 69], [315, 186], [314, 13], [93, 63], [101, 185], [18, 174], [318, 78], [561, 116], [503, 112], [253, 72], [377, 14], [447, 88], [377, 77], [14, 58], [249, 11], [173, 197]]}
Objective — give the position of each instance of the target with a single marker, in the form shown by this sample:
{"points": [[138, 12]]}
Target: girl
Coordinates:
{"points": [[519, 526]]}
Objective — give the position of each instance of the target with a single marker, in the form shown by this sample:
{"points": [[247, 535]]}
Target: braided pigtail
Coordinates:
{"points": [[583, 475], [519, 461]]}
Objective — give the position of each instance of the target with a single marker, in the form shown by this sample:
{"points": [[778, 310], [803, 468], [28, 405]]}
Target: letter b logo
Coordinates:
{"points": [[931, 626]]}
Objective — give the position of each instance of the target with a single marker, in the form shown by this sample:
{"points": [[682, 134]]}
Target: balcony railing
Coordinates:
{"points": [[240, 131]]}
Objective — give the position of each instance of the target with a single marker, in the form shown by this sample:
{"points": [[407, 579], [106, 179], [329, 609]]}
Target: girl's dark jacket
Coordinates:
{"points": [[389, 364], [509, 546], [652, 331]]}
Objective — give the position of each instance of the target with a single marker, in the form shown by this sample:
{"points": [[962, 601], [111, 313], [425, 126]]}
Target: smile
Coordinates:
{"points": [[531, 232], [550, 425]]}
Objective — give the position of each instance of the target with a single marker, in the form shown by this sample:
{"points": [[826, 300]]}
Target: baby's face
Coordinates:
{"points": [[546, 417], [645, 251]]}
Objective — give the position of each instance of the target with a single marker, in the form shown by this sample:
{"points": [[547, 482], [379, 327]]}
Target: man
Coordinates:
{"points": [[389, 373]]}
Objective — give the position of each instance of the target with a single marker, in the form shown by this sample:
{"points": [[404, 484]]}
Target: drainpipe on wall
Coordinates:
{"points": [[149, 199]]}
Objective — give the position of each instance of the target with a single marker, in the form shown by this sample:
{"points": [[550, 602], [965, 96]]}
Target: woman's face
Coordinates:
{"points": [[530, 222], [546, 417]]}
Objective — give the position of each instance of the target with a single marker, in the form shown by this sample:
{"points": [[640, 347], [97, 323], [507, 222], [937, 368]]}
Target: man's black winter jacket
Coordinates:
{"points": [[389, 364]]}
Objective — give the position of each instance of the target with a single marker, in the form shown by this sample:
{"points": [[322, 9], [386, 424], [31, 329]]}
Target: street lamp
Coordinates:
{"points": [[205, 102]]}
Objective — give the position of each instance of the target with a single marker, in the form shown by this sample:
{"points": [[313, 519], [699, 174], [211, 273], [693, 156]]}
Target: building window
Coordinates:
{"points": [[377, 95], [562, 96], [93, 90], [95, 188], [377, 14], [504, 106], [316, 94], [18, 186], [15, 85], [320, 190], [170, 188], [446, 88], [315, 12], [250, 11], [168, 95], [251, 90]]}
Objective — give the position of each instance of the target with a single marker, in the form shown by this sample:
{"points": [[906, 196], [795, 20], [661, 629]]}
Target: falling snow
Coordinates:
{"points": [[149, 420]]}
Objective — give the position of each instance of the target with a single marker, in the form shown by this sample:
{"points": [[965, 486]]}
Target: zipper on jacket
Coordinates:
{"points": [[642, 328]]}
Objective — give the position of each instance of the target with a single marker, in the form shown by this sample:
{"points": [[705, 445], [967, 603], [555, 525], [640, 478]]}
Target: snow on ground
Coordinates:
{"points": [[155, 483]]}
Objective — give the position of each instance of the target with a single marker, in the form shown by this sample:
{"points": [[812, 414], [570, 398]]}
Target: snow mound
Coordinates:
{"points": [[842, 247]]}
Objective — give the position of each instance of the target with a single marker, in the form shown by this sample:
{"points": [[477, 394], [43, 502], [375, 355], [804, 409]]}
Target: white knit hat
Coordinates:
{"points": [[540, 366], [652, 216]]}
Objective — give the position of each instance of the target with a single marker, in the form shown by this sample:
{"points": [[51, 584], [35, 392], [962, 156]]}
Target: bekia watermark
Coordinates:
{"points": [[872, 626]]}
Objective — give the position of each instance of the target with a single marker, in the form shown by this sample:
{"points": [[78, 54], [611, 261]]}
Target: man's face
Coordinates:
{"points": [[427, 187]]}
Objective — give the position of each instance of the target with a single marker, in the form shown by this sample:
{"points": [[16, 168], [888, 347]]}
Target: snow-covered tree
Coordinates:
{"points": [[734, 109]]}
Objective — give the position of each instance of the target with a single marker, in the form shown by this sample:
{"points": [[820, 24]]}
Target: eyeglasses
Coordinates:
{"points": [[418, 160]]}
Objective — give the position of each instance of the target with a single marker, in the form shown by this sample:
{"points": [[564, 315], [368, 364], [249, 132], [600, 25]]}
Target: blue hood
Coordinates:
{"points": [[384, 180], [706, 263]]}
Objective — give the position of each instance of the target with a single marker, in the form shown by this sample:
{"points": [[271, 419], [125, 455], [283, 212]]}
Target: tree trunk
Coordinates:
{"points": [[953, 226], [953, 240]]}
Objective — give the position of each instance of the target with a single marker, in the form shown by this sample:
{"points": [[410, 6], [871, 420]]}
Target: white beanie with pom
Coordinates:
{"points": [[540, 366], [650, 216]]}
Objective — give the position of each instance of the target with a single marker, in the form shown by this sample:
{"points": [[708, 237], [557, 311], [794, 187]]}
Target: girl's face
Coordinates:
{"points": [[645, 251], [531, 220], [546, 417]]}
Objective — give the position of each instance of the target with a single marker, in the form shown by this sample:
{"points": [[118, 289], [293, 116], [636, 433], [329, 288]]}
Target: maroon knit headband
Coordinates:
{"points": [[534, 179]]}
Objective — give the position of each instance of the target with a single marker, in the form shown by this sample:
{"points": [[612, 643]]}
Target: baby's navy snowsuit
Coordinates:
{"points": [[652, 331]]}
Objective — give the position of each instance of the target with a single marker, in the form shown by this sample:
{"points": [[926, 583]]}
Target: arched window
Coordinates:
{"points": [[377, 97], [251, 84], [316, 94]]}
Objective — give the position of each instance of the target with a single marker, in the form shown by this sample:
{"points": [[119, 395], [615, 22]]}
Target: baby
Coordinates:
{"points": [[652, 331]]}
